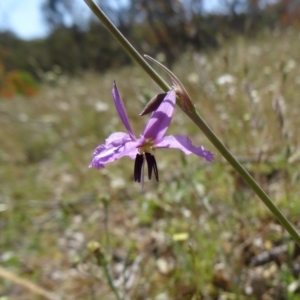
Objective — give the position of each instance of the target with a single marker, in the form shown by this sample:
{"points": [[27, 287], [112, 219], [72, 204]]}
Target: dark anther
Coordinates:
{"points": [[139, 160], [151, 162]]}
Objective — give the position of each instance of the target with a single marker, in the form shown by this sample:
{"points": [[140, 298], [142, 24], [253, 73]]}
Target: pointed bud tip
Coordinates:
{"points": [[180, 89]]}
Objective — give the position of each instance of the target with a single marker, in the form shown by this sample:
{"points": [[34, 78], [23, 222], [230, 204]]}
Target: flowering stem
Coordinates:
{"points": [[125, 44], [197, 119], [244, 174]]}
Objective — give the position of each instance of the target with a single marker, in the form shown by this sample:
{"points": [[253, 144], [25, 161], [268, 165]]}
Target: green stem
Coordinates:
{"points": [[103, 262], [244, 174], [126, 45], [197, 119], [110, 281]]}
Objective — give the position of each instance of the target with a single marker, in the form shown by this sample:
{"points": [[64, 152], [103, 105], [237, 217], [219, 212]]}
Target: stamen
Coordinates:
{"points": [[142, 173], [138, 165], [155, 169], [151, 162]]}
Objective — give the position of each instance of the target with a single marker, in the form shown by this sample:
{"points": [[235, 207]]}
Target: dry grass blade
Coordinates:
{"points": [[35, 289]]}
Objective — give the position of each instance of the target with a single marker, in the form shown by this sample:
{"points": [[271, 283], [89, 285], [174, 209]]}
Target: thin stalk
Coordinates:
{"points": [[103, 261], [125, 44], [110, 281], [197, 119], [244, 174]]}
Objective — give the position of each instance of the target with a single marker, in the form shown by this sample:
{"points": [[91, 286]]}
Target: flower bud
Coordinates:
{"points": [[153, 104]]}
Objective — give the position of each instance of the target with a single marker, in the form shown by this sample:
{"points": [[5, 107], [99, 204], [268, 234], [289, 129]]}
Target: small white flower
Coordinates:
{"points": [[100, 106], [225, 79]]}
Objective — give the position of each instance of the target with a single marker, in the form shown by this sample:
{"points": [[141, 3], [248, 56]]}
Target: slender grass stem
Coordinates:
{"points": [[126, 45], [244, 174], [103, 262], [110, 281], [197, 119]]}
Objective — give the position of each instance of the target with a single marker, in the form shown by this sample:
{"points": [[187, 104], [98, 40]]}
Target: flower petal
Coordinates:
{"points": [[121, 110], [114, 149], [184, 144], [117, 139], [161, 118]]}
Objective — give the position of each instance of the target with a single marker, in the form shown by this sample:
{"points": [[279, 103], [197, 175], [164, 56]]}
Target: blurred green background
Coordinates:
{"points": [[199, 233]]}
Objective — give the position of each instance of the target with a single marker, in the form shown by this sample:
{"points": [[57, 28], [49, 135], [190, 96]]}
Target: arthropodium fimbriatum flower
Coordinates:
{"points": [[141, 149]]}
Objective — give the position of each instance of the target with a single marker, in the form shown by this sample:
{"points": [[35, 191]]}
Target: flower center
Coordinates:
{"points": [[147, 146]]}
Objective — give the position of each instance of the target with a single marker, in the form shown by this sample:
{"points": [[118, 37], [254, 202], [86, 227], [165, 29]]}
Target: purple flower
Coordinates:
{"points": [[141, 149]]}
